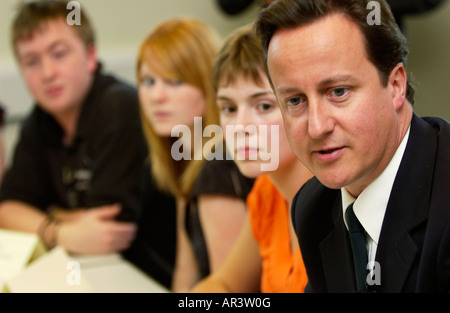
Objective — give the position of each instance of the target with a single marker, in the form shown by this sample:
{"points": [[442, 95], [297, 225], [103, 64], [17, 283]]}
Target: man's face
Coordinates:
{"points": [[57, 67], [340, 120]]}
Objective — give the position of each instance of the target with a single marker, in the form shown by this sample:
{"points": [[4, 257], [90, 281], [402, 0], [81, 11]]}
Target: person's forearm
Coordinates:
{"points": [[20, 216], [64, 215], [210, 285]]}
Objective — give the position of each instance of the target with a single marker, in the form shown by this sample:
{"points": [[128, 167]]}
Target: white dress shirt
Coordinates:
{"points": [[370, 206]]}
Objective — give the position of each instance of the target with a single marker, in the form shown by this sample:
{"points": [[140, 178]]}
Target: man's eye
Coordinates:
{"points": [[31, 62], [339, 92], [59, 54], [295, 101]]}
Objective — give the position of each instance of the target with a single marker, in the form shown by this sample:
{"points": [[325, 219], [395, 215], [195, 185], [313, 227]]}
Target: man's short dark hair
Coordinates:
{"points": [[32, 15], [385, 44]]}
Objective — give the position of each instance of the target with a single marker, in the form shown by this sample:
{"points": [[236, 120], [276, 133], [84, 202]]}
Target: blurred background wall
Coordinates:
{"points": [[121, 25]]}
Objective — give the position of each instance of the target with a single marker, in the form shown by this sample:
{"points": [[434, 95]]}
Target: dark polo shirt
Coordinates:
{"points": [[102, 166]]}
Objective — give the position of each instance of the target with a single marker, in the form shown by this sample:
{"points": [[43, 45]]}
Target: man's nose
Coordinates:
{"points": [[320, 120], [48, 69]]}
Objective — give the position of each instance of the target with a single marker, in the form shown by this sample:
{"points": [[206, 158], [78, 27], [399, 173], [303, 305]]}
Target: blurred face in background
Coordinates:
{"points": [[167, 102], [57, 67], [174, 75]]}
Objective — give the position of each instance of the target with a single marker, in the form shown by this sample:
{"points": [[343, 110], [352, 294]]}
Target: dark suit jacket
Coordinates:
{"points": [[414, 245]]}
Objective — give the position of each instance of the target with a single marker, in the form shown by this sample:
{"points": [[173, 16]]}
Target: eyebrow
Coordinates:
{"points": [[326, 82], [336, 79], [50, 48], [252, 96]]}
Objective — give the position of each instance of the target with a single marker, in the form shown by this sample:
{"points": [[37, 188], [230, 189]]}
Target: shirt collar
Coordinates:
{"points": [[371, 204]]}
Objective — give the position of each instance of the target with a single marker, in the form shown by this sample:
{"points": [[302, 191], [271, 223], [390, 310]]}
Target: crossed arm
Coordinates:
{"points": [[92, 231]]}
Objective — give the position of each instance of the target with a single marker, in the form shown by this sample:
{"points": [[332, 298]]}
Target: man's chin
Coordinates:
{"points": [[332, 181]]}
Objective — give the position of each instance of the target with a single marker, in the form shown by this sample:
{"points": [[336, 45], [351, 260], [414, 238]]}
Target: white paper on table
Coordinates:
{"points": [[55, 272], [17, 250]]}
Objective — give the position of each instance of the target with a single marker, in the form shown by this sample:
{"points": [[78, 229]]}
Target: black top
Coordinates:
{"points": [[219, 177], [153, 249], [102, 166], [222, 177]]}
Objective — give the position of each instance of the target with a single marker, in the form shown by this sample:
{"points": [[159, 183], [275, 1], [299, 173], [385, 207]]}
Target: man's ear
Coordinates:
{"points": [[398, 82]]}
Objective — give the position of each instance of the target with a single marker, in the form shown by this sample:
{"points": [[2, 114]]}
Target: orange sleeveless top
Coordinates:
{"points": [[283, 271]]}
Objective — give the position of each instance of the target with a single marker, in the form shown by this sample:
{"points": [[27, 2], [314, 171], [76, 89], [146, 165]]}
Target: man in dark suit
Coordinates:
{"points": [[376, 217]]}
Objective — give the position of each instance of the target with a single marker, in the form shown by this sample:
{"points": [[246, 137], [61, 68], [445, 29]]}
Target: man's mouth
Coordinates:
{"points": [[328, 154]]}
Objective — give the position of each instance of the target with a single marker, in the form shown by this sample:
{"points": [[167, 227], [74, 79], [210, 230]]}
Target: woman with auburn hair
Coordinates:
{"points": [[174, 69]]}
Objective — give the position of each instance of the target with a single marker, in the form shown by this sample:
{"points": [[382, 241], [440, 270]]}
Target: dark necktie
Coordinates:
{"points": [[358, 242]]}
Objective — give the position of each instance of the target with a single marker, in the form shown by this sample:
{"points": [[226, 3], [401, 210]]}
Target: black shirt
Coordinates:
{"points": [[217, 177], [102, 166]]}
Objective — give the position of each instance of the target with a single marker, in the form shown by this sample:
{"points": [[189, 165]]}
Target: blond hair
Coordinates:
{"points": [[184, 49]]}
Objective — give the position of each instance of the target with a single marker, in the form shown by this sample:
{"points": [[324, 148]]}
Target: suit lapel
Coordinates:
{"points": [[407, 208], [396, 253]]}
